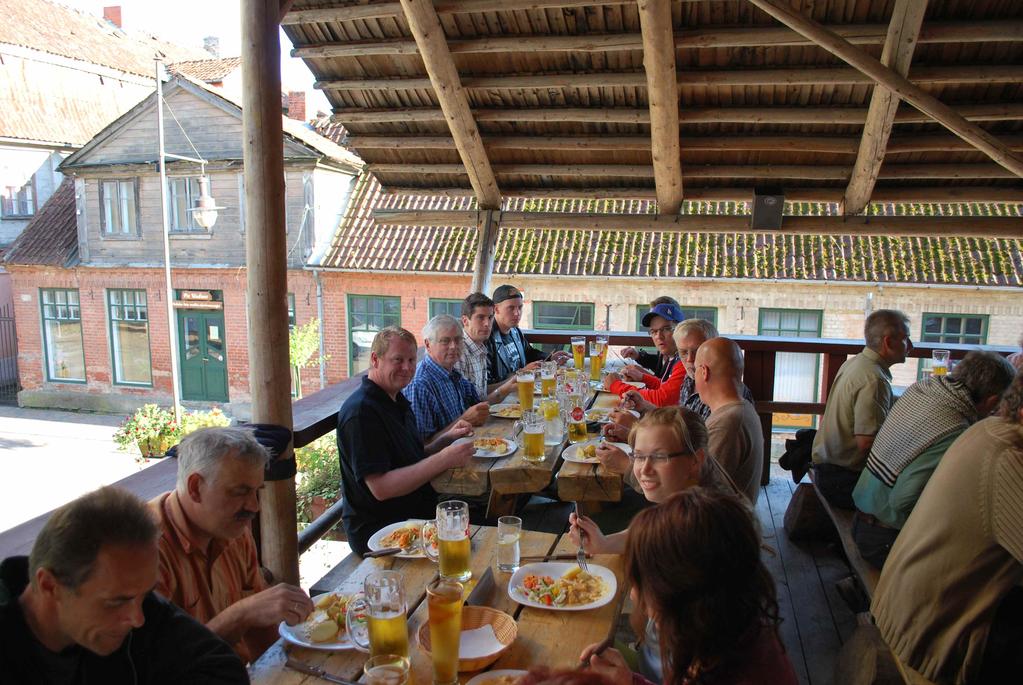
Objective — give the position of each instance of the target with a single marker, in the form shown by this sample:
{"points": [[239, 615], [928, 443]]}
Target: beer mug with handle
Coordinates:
{"points": [[453, 548], [384, 629], [531, 438]]}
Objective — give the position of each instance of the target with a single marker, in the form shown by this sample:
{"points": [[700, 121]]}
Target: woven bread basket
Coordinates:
{"points": [[473, 617]]}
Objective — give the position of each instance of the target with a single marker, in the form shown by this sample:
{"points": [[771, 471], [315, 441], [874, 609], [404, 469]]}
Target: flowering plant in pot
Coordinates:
{"points": [[151, 428], [319, 477]]}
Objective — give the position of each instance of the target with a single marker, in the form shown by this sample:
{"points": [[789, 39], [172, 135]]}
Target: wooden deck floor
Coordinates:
{"points": [[815, 619]]}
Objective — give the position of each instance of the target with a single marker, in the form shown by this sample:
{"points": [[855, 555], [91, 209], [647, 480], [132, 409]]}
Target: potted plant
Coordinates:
{"points": [[151, 428], [319, 478]]}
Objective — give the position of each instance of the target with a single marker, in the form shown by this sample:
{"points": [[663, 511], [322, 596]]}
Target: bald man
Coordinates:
{"points": [[735, 436]]}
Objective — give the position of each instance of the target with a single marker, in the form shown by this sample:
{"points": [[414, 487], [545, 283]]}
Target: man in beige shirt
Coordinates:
{"points": [[857, 406], [736, 438], [948, 602]]}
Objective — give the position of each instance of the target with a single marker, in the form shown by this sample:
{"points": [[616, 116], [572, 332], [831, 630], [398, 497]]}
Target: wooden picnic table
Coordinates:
{"points": [[545, 637], [502, 479]]}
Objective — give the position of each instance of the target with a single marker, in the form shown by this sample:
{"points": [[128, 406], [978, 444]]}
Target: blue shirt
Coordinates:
{"points": [[438, 396]]}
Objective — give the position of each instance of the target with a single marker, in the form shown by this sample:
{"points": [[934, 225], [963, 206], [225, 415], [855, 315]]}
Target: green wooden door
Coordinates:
{"points": [[203, 354]]}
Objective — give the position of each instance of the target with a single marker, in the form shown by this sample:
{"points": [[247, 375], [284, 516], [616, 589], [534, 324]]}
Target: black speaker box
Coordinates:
{"points": [[768, 204]]}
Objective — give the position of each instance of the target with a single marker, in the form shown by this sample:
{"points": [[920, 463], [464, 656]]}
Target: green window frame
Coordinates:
{"points": [[128, 319], [119, 207], [951, 329], [791, 323], [705, 313], [63, 346], [443, 305], [367, 314], [563, 316]]}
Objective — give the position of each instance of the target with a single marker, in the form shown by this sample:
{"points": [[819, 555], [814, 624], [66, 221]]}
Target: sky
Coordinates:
{"points": [[187, 22]]}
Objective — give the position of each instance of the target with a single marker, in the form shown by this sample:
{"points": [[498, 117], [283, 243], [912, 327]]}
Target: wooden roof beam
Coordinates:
{"points": [[844, 145], [924, 195], [911, 93], [897, 54], [392, 10], [802, 76], [779, 172], [426, 29], [1010, 111], [1007, 31], [659, 65], [979, 227]]}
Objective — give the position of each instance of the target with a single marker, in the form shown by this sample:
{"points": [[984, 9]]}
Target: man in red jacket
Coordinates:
{"points": [[661, 391]]}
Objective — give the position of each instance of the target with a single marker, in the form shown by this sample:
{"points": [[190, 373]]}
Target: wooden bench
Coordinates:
{"points": [[843, 521]]}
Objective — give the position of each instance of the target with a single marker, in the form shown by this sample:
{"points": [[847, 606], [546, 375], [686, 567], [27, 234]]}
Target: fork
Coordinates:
{"points": [[580, 555]]}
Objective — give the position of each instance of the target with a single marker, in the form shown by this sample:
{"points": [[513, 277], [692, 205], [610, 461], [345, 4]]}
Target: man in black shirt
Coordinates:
{"points": [[385, 471], [507, 348], [81, 610]]}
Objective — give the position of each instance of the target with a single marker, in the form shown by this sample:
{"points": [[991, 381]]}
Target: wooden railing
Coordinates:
{"points": [[316, 415]]}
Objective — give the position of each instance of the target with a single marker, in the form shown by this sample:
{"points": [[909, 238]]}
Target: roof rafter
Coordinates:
{"points": [[916, 96], [907, 18], [659, 64], [426, 29]]}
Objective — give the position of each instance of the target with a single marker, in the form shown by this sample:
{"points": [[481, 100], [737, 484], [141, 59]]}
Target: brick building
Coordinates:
{"points": [[88, 280]]}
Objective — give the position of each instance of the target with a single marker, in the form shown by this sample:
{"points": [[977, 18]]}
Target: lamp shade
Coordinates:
{"points": [[205, 210]]}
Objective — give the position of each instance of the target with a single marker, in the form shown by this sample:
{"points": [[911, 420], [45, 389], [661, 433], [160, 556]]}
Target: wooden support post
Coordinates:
{"points": [[266, 261], [662, 92], [426, 29], [487, 227], [758, 375], [832, 363], [910, 92], [897, 54]]}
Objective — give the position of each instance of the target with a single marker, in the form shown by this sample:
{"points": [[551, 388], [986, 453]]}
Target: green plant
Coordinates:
{"points": [[194, 420], [319, 474], [149, 426], [303, 345]]}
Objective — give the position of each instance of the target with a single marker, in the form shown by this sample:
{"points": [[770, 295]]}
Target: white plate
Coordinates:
{"points": [[607, 414], [375, 545], [487, 676], [556, 569], [509, 448], [296, 635], [495, 408], [635, 384], [573, 452]]}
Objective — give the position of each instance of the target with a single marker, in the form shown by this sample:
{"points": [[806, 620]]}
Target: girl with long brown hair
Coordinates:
{"points": [[694, 566]]}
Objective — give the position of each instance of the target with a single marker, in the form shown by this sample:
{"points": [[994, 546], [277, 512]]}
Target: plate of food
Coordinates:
{"points": [[562, 586], [499, 676], [325, 627], [586, 452], [604, 415], [635, 384], [405, 534], [506, 411], [493, 448]]}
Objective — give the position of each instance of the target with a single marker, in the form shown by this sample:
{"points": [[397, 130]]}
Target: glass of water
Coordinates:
{"points": [[509, 530]]}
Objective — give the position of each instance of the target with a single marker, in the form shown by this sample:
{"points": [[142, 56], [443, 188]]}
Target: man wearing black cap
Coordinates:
{"points": [[507, 349]]}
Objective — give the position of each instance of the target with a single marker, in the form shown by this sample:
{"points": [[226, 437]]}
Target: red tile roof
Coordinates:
{"points": [[59, 30], [360, 244], [51, 238], [207, 70]]}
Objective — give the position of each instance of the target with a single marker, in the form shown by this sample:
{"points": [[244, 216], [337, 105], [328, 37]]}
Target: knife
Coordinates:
{"points": [[483, 590], [302, 667], [386, 552], [552, 557]]}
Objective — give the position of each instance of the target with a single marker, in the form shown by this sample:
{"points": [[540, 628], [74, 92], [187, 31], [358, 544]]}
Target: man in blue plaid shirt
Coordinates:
{"points": [[438, 393]]}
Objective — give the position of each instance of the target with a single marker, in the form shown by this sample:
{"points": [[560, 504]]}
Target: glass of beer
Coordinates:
{"points": [[383, 604], [453, 546], [601, 344], [444, 600], [578, 350], [576, 416], [939, 362], [531, 439], [548, 378], [596, 363], [527, 384], [386, 669], [509, 530]]}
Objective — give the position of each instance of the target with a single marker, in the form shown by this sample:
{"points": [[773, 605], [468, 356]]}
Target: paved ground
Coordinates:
{"points": [[50, 457]]}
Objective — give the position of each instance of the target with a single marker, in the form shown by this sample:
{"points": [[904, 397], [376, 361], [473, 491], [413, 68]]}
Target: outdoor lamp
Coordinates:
{"points": [[205, 210]]}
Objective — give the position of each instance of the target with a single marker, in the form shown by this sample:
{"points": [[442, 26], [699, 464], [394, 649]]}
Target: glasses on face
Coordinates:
{"points": [[444, 342], [657, 458], [663, 330]]}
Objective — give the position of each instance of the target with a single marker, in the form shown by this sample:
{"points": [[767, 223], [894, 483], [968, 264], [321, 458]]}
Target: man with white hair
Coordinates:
{"points": [[208, 561], [857, 405], [438, 393]]}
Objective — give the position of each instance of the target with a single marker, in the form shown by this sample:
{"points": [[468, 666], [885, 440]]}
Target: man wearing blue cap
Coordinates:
{"points": [[656, 362], [664, 390]]}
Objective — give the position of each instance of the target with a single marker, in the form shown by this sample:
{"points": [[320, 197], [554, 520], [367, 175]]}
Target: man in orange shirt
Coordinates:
{"points": [[208, 562]]}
